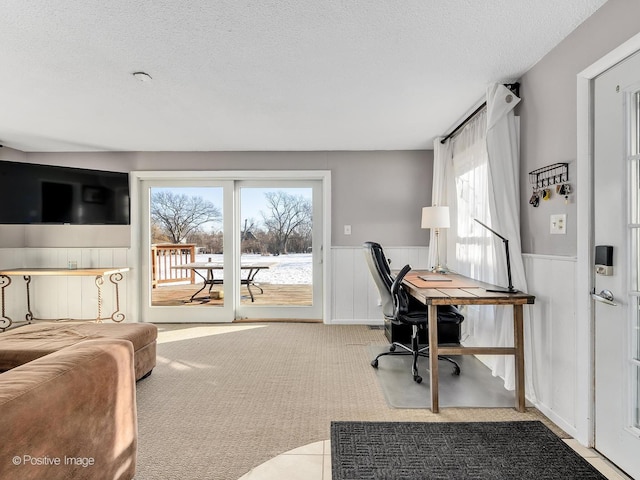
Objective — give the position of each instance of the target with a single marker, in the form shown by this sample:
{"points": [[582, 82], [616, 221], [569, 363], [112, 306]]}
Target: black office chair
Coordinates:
{"points": [[400, 308]]}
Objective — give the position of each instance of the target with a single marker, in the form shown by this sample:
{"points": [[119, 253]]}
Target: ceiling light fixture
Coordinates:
{"points": [[142, 76]]}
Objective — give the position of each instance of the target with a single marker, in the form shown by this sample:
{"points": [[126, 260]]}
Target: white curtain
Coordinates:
{"points": [[469, 242], [471, 253], [503, 147], [440, 193], [476, 173]]}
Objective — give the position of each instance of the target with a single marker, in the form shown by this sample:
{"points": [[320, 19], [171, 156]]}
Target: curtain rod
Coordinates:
{"points": [[514, 87]]}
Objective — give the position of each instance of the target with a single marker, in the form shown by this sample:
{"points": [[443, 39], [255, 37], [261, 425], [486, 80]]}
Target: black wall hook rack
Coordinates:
{"points": [[549, 175]]}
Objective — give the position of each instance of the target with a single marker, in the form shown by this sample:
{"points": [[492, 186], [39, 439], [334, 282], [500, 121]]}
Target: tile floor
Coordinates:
{"points": [[313, 462]]}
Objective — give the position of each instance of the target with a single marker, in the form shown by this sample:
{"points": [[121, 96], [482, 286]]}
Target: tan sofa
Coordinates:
{"points": [[71, 414], [26, 343], [67, 399]]}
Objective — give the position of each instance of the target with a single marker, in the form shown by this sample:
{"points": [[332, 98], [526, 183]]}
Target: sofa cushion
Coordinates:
{"points": [[75, 407], [28, 342]]}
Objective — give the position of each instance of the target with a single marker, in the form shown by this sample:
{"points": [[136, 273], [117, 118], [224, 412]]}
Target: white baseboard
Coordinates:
{"points": [[356, 321], [560, 422]]}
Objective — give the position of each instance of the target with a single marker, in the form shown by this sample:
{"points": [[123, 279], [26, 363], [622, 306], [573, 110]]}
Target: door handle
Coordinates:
{"points": [[605, 296]]}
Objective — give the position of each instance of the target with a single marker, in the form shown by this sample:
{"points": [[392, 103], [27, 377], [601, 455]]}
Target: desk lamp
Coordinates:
{"points": [[510, 288], [437, 218]]}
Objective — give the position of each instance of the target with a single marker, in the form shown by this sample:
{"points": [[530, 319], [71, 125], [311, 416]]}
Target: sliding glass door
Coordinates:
{"points": [[222, 250], [280, 256], [188, 234]]}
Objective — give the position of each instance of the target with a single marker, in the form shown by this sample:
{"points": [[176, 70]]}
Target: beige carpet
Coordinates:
{"points": [[226, 398]]}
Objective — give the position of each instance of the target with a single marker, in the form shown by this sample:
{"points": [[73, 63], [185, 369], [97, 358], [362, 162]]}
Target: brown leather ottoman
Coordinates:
{"points": [[26, 343]]}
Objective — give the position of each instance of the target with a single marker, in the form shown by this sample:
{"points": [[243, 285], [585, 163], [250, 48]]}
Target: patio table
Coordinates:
{"points": [[209, 278]]}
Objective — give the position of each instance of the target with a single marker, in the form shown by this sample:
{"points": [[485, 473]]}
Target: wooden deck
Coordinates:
{"points": [[176, 295]]}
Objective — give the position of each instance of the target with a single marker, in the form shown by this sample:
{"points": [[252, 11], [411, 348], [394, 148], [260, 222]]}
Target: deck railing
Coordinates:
{"points": [[166, 256]]}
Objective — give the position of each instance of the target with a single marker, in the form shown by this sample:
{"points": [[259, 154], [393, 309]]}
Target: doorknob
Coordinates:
{"points": [[605, 296]]}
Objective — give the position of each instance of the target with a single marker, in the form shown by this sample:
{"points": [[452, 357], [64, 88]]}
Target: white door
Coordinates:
{"points": [[617, 296], [281, 230], [171, 294]]}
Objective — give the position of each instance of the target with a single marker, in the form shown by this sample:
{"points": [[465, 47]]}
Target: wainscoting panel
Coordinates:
{"points": [[552, 279], [355, 299], [64, 297]]}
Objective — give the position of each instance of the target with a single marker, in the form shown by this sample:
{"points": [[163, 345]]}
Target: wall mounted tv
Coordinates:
{"points": [[46, 194]]}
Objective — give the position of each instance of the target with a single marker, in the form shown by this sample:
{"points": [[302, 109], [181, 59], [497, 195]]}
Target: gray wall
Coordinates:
{"points": [[548, 117], [380, 194], [12, 155]]}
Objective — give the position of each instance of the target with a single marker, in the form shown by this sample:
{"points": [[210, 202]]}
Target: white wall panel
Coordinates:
{"points": [[362, 287], [343, 268], [64, 297], [355, 297], [553, 328]]}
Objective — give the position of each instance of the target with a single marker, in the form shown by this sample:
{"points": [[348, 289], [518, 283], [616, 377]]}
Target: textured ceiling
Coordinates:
{"points": [[260, 75]]}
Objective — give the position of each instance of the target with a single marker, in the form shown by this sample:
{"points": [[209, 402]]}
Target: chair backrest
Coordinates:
{"points": [[381, 273], [399, 295], [395, 299]]}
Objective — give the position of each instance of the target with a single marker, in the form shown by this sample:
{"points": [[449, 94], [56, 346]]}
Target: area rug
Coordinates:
{"points": [[453, 451]]}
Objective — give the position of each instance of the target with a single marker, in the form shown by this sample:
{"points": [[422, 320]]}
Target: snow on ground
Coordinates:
{"points": [[289, 269]]}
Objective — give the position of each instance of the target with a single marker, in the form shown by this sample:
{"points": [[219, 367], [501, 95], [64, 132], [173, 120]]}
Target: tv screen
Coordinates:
{"points": [[37, 194]]}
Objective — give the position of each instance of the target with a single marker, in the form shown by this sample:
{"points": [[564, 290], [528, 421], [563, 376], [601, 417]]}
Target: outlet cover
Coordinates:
{"points": [[558, 225]]}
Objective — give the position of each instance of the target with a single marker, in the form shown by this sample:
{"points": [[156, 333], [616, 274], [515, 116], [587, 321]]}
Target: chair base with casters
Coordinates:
{"points": [[415, 351]]}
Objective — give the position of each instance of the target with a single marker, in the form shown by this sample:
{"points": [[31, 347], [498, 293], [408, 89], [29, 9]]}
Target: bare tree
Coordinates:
{"points": [[181, 215], [158, 234], [287, 214]]}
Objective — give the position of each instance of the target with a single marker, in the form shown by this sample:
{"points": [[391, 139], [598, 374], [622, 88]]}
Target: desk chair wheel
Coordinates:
{"points": [[417, 378], [456, 371], [392, 348], [374, 363]]}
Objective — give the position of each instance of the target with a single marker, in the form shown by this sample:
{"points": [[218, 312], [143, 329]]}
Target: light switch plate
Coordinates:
{"points": [[347, 229], [558, 225]]}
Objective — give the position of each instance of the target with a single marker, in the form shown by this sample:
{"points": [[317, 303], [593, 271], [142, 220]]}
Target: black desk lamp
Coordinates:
{"points": [[510, 288]]}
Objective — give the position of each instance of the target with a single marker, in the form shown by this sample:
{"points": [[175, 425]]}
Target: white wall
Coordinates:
{"points": [[354, 297], [553, 326]]}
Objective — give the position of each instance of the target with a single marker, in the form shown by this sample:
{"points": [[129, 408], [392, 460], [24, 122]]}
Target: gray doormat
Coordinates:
{"points": [[474, 387], [453, 451]]}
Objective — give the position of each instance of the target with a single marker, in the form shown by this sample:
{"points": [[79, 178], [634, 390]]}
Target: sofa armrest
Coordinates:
{"points": [[71, 414]]}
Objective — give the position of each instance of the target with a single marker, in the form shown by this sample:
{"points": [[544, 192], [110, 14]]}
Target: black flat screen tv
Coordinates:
{"points": [[47, 194]]}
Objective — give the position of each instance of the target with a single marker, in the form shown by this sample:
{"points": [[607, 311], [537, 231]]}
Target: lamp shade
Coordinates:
{"points": [[435, 217]]}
